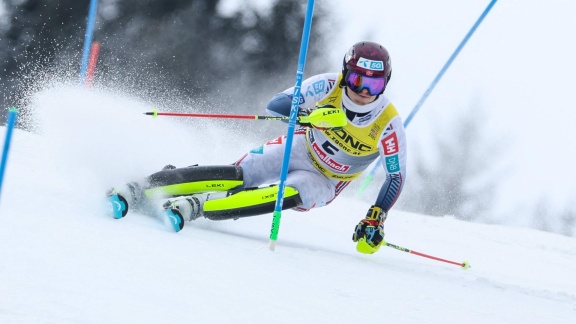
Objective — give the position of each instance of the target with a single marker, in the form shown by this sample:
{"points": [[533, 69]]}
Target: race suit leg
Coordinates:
{"points": [[262, 166]]}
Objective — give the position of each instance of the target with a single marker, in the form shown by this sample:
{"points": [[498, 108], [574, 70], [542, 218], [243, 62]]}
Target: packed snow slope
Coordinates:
{"points": [[63, 260]]}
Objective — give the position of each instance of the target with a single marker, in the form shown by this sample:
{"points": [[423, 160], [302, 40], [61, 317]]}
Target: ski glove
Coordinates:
{"points": [[304, 112], [369, 233], [322, 117]]}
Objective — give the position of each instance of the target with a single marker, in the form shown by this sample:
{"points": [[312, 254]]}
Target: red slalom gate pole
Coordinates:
{"points": [[94, 51], [464, 265]]}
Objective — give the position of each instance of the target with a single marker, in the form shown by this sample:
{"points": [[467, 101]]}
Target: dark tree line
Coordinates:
{"points": [[181, 46]]}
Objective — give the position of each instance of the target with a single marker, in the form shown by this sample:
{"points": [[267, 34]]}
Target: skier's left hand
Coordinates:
{"points": [[369, 233]]}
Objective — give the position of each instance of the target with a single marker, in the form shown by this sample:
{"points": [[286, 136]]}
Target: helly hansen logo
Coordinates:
{"points": [[390, 144]]}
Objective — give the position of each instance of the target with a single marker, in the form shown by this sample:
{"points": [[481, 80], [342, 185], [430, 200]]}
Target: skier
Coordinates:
{"points": [[323, 161]]}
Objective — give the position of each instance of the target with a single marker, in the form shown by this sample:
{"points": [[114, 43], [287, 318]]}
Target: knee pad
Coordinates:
{"points": [[194, 179], [250, 202]]}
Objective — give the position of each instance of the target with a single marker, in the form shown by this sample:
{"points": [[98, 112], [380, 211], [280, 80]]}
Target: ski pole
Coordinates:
{"points": [[155, 113], [464, 265], [321, 117]]}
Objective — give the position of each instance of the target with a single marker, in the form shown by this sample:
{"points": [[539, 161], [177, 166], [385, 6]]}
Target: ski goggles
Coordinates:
{"points": [[358, 82]]}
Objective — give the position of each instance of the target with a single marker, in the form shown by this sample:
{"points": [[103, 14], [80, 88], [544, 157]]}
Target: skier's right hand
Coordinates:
{"points": [[322, 117], [304, 112]]}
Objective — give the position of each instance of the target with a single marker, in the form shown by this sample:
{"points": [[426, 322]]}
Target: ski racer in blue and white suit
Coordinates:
{"points": [[324, 161]]}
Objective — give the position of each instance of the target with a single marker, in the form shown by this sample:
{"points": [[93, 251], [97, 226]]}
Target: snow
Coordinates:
{"points": [[63, 260]]}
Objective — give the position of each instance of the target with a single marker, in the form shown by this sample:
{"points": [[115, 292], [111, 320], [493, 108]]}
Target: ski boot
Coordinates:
{"points": [[118, 204], [226, 205], [183, 209], [121, 199]]}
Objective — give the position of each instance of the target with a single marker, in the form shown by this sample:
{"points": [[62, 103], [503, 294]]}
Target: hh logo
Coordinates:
{"points": [[390, 144]]}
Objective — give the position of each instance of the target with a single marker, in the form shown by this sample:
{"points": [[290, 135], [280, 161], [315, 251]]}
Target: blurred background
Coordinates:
{"points": [[492, 143]]}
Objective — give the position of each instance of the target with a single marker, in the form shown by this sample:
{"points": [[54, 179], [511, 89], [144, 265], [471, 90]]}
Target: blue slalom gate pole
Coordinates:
{"points": [[291, 125], [368, 179], [12, 115], [88, 39]]}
